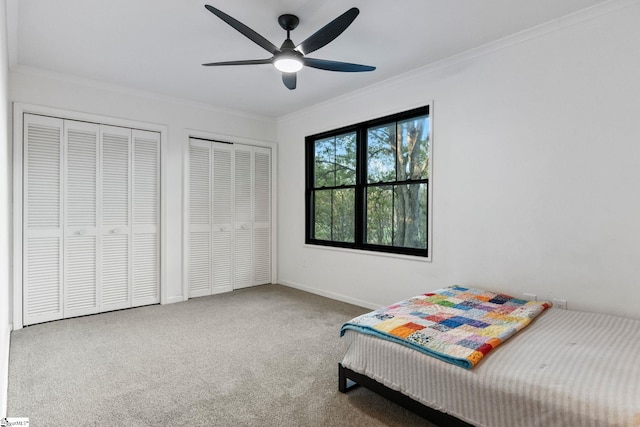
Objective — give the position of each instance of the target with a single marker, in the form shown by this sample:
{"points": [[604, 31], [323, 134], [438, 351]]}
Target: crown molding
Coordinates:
{"points": [[152, 96]]}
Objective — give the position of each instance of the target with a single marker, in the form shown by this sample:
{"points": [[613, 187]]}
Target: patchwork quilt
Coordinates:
{"points": [[457, 325]]}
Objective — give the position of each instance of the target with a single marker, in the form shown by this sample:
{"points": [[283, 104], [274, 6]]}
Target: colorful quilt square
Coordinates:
{"points": [[422, 337], [451, 293], [438, 318], [453, 322], [500, 299], [382, 316], [505, 309], [487, 306], [440, 327], [389, 325], [467, 305], [474, 345], [468, 329], [449, 337], [446, 303], [457, 321], [406, 329]]}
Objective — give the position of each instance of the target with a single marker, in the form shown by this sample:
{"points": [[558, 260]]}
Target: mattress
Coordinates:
{"points": [[567, 368]]}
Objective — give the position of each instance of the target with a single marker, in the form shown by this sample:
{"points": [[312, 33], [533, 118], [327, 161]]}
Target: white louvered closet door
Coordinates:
{"points": [[42, 219], [91, 218], [210, 218], [81, 236], [262, 216], [229, 213], [222, 254], [116, 212], [199, 214], [243, 194], [146, 218]]}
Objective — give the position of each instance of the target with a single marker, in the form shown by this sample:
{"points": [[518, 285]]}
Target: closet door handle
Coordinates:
{"points": [[81, 232]]}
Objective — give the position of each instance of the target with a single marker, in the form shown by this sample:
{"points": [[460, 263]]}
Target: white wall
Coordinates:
{"points": [[5, 213], [536, 171], [31, 87]]}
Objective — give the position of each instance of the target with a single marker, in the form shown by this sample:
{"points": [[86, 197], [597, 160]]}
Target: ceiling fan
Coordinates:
{"points": [[290, 58]]}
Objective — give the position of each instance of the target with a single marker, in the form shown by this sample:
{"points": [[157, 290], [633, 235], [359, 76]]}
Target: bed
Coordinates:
{"points": [[566, 368]]}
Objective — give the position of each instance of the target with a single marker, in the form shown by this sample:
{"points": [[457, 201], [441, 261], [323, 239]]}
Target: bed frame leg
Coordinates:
{"points": [[344, 383]]}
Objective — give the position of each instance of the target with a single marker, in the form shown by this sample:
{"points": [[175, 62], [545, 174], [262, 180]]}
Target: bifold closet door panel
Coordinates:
{"points": [[81, 235], [116, 213], [199, 212], [222, 229], [262, 216], [146, 218], [42, 219], [210, 217], [243, 218]]}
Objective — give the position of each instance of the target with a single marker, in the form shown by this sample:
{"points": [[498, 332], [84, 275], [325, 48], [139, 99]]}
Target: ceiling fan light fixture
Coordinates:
{"points": [[288, 62]]}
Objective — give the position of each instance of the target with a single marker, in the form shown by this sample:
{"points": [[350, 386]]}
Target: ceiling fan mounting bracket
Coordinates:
{"points": [[288, 22]]}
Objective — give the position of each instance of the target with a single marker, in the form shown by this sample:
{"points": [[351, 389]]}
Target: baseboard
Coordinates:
{"points": [[5, 337], [332, 295]]}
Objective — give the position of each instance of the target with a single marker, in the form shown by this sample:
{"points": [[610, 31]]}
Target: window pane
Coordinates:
{"points": [[380, 215], [334, 215], [344, 215], [335, 161], [410, 217], [346, 159], [322, 207], [413, 137], [381, 143], [324, 165]]}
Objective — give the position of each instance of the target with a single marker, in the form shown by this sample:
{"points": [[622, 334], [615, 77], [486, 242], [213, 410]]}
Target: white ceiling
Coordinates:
{"points": [[158, 45]]}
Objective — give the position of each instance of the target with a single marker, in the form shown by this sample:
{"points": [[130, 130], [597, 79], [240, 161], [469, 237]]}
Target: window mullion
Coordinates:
{"points": [[361, 181], [333, 224], [394, 188]]}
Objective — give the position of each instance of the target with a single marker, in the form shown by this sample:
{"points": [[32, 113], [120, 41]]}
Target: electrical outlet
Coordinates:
{"points": [[560, 303], [530, 297]]}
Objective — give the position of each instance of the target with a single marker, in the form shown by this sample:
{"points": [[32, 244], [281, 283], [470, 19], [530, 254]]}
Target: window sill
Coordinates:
{"points": [[369, 253]]}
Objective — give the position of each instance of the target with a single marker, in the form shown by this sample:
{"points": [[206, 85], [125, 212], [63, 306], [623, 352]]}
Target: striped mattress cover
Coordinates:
{"points": [[568, 368]]}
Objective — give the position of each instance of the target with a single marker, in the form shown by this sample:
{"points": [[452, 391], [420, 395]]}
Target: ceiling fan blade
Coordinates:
{"points": [[346, 67], [329, 32], [289, 80], [244, 62], [246, 31]]}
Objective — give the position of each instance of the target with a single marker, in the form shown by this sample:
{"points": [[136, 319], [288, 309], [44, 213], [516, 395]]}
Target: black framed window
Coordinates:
{"points": [[367, 185]]}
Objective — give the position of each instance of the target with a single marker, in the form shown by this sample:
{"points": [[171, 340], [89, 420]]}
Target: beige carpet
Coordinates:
{"points": [[263, 356]]}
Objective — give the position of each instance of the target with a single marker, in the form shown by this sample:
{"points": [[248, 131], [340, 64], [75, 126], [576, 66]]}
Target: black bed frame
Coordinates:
{"points": [[348, 379]]}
